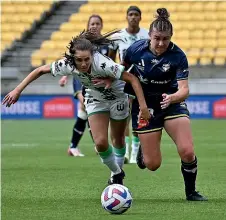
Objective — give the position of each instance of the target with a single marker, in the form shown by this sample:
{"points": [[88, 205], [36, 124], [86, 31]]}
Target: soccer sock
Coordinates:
{"points": [[108, 158], [119, 155], [127, 140], [78, 130], [189, 171], [135, 144]]}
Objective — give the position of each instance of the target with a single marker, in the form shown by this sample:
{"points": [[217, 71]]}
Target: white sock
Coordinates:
{"points": [[135, 145], [110, 161]]}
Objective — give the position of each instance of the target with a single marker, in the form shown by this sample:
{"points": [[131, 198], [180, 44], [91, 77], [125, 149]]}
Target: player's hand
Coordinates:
{"points": [[104, 81], [145, 115], [11, 98], [63, 81], [166, 101]]}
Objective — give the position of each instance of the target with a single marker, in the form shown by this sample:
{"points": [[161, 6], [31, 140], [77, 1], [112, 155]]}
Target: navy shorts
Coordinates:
{"points": [[156, 122], [77, 86]]}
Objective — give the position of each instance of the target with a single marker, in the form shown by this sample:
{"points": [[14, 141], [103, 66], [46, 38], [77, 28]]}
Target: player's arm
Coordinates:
{"points": [[182, 93], [130, 78], [183, 87], [14, 95], [112, 54]]}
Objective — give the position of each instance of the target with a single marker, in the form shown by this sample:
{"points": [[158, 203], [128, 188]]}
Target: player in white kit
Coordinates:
{"points": [[127, 37], [103, 103]]}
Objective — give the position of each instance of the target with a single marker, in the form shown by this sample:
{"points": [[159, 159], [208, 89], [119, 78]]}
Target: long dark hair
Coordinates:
{"points": [[87, 40]]}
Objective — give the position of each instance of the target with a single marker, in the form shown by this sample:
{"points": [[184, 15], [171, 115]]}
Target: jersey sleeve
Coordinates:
{"points": [[108, 67], [183, 70], [127, 57], [60, 67]]}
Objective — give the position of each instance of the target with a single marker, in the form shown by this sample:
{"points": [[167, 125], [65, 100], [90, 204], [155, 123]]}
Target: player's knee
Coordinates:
{"points": [[152, 165], [118, 141], [101, 143], [187, 154]]}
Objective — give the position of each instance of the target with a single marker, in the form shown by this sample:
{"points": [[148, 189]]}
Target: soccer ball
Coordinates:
{"points": [[116, 199]]}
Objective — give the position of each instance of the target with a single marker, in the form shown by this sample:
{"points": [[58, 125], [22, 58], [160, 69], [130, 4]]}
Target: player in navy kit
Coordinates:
{"points": [[162, 69], [95, 24]]}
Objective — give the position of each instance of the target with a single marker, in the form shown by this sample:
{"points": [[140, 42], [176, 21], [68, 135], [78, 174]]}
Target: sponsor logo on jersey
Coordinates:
{"points": [[154, 61], [166, 67], [103, 65], [57, 69]]}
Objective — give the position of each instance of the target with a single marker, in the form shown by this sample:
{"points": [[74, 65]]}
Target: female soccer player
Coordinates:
{"points": [[162, 69], [94, 24], [102, 105]]}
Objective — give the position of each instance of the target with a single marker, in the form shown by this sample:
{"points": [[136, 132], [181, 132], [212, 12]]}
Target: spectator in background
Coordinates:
{"points": [[127, 37]]}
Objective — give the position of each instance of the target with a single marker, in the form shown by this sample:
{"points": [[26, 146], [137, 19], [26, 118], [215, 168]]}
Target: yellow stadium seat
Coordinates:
{"points": [[210, 34], [221, 6], [197, 43], [183, 6], [208, 53], [197, 6], [182, 34], [48, 44], [205, 61], [198, 34], [210, 43], [192, 61], [221, 43], [219, 61], [194, 53], [220, 53], [210, 6]]}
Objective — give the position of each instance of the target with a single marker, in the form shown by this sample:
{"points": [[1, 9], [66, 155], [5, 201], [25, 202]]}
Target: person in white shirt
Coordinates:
{"points": [[126, 37], [104, 103]]}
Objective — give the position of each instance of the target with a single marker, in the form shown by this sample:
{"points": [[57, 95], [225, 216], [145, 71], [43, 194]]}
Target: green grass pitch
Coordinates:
{"points": [[40, 182]]}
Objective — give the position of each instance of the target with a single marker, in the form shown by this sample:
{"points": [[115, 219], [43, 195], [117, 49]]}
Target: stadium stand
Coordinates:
{"points": [[199, 28], [35, 37], [41, 19], [17, 17]]}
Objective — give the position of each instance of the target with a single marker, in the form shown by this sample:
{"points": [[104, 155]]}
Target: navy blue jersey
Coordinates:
{"points": [[157, 74]]}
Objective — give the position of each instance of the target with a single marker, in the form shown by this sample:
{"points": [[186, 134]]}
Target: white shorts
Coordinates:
{"points": [[118, 109]]}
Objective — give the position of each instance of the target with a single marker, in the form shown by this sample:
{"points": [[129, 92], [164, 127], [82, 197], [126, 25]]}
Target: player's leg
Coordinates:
{"points": [[135, 147], [99, 116], [118, 139], [177, 125], [119, 112], [149, 154], [127, 141], [78, 129]]}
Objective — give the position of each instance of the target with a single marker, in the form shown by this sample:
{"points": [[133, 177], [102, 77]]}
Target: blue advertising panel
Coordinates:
{"points": [[64, 106], [41, 106]]}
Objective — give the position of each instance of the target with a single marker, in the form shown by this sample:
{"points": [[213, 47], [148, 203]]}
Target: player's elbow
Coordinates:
{"points": [[43, 69]]}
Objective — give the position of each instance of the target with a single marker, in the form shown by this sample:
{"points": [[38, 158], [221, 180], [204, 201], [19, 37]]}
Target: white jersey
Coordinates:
{"points": [[126, 40], [101, 67]]}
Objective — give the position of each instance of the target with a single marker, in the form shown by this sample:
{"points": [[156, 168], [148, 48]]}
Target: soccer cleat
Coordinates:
{"points": [[133, 158], [196, 196], [117, 178], [75, 152], [140, 160]]}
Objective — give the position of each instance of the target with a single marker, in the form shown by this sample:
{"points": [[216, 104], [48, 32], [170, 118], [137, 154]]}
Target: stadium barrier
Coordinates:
{"points": [[65, 107]]}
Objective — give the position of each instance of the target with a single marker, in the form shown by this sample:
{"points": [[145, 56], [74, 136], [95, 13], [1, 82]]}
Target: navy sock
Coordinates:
{"points": [[189, 171], [78, 131]]}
